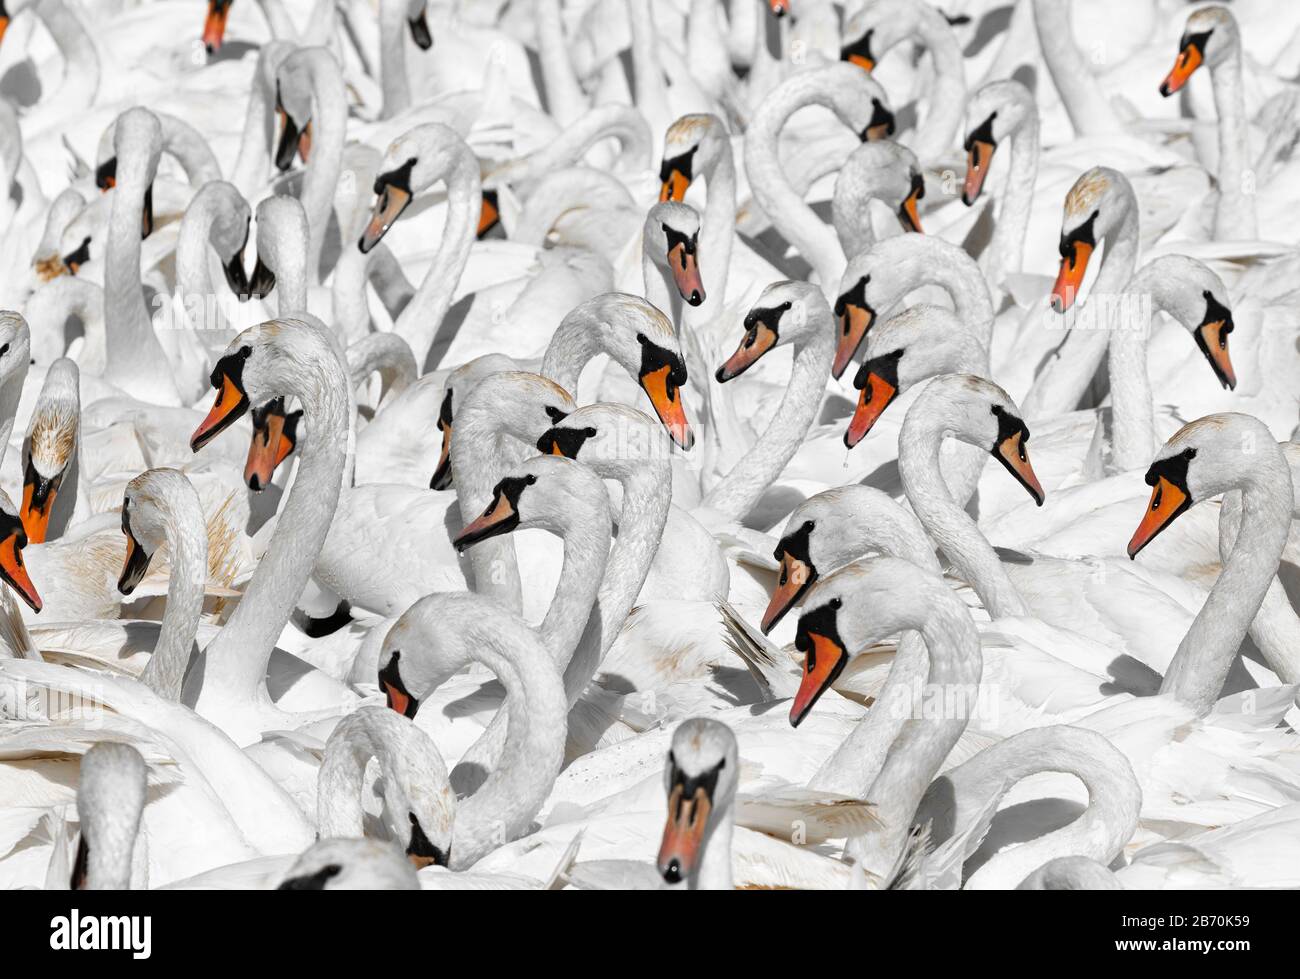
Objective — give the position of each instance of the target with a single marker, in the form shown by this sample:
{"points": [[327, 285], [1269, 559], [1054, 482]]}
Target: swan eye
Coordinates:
{"points": [[807, 527], [245, 351], [4, 349], [1155, 498], [837, 603]]}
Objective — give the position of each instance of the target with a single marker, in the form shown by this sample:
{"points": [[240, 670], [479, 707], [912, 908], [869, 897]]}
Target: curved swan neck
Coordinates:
{"points": [[1089, 111], [738, 491], [647, 494], [419, 322], [392, 58], [329, 124], [586, 551], [81, 68], [952, 529], [236, 660], [1201, 664], [814, 239], [1100, 832], [1063, 381], [717, 231], [947, 95], [1007, 249], [535, 707], [187, 545], [924, 742]]}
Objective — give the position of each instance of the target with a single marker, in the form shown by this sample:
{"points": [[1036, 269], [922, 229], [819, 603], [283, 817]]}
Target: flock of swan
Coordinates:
{"points": [[539, 444]]}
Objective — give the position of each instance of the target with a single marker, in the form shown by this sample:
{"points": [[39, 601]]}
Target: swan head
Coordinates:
{"points": [[980, 413], [615, 441], [671, 238], [15, 346], [700, 778], [459, 383], [876, 27], [293, 107], [414, 162], [50, 445], [147, 515], [641, 340], [550, 492], [281, 357], [1210, 38], [48, 260], [910, 347], [831, 529], [517, 403], [214, 25], [785, 312], [879, 170], [281, 245], [137, 148], [110, 798], [692, 146], [1204, 458], [1098, 203], [13, 538], [275, 436], [435, 639], [229, 219], [993, 113], [778, 8], [846, 612], [418, 24], [1191, 292], [351, 865], [78, 242]]}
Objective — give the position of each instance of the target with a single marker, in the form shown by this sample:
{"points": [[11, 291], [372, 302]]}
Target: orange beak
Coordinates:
{"points": [[1188, 60], [489, 214], [442, 475], [1212, 338], [978, 159], [674, 188], [1167, 502], [35, 513], [1014, 454], [14, 573], [230, 404], [907, 211], [270, 446], [388, 207], [499, 518], [779, 8], [824, 660], [866, 64], [398, 700], [796, 578], [679, 853], [855, 321], [667, 401], [686, 274], [758, 340], [1070, 278], [4, 26], [214, 27], [876, 396]]}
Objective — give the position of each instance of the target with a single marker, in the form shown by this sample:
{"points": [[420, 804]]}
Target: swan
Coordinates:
{"points": [[52, 457], [790, 312], [1212, 38], [700, 779], [291, 357], [881, 170], [393, 15], [1212, 455], [874, 28], [1003, 112], [860, 103], [312, 108], [110, 800], [670, 258], [134, 358], [864, 602], [1100, 209], [423, 156], [436, 638], [349, 865], [974, 787]]}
